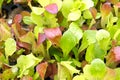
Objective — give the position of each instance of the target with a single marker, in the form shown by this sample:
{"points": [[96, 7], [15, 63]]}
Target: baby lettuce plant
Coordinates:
{"points": [[62, 40]]}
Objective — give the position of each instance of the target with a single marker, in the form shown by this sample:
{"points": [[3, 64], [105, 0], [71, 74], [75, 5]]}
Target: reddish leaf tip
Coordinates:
{"points": [[52, 8]]}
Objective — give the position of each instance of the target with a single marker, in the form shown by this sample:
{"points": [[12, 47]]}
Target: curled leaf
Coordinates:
{"points": [[52, 8]]}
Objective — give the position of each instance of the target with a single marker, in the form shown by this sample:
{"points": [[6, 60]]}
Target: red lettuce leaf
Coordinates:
{"points": [[113, 58], [53, 34], [17, 18], [106, 9], [26, 78], [41, 69], [41, 38], [52, 8], [93, 12], [117, 5]]}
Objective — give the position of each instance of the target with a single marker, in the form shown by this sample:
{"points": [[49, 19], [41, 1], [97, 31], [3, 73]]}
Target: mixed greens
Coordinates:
{"points": [[61, 40]]}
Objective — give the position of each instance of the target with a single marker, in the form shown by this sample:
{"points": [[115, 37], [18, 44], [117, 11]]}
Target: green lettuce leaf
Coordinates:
{"points": [[70, 38], [10, 47], [26, 62]]}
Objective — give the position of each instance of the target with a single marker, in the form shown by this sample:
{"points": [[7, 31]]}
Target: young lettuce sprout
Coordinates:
{"points": [[105, 11]]}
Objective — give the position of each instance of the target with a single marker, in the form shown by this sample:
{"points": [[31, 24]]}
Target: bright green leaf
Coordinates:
{"points": [[70, 38], [86, 4], [38, 29], [79, 77], [101, 34], [117, 73], [10, 47], [90, 53], [37, 19], [63, 73], [66, 7], [1, 2], [68, 65], [98, 52], [87, 14], [89, 37], [27, 20], [103, 37], [74, 28], [25, 62], [44, 2], [87, 73], [67, 42], [95, 2], [74, 15], [98, 68], [38, 10]]}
